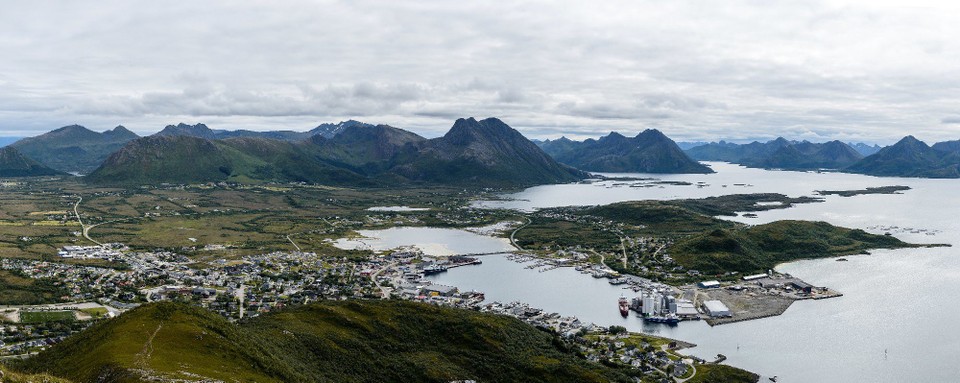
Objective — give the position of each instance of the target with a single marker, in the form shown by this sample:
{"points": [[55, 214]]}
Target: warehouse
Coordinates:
{"points": [[716, 309], [708, 284]]}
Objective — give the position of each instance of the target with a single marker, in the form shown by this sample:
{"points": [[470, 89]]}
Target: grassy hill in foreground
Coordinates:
{"points": [[353, 341]]}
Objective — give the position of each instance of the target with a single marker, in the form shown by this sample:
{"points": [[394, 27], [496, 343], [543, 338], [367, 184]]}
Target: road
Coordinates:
{"points": [[84, 228], [514, 233], [383, 290], [293, 243], [624, 248]]}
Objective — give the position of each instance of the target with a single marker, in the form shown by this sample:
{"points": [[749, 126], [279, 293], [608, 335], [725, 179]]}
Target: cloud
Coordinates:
{"points": [[735, 69], [950, 120]]}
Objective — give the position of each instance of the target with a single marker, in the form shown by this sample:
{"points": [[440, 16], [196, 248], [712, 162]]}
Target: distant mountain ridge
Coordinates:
{"points": [[485, 153], [74, 148], [780, 153], [648, 152], [911, 157], [865, 149], [202, 131]]}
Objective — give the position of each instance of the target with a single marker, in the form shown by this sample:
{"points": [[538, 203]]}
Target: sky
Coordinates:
{"points": [[870, 71]]}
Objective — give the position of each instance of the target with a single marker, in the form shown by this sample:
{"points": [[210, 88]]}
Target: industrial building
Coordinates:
{"points": [[708, 284], [716, 309]]}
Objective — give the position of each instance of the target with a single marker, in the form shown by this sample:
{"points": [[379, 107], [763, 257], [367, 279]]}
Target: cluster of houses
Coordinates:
{"points": [[108, 251]]}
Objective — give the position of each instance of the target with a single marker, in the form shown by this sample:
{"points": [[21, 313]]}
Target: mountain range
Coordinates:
{"points": [[485, 153], [202, 131], [74, 148], [780, 153], [649, 152]]}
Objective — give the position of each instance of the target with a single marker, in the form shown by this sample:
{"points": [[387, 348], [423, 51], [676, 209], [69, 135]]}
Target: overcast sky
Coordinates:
{"points": [[698, 70]]}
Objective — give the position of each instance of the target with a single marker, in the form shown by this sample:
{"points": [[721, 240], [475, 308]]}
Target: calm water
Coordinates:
{"points": [[895, 323], [433, 241]]}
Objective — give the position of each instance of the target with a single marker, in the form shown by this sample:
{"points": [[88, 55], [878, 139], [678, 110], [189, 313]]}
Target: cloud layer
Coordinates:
{"points": [[863, 71]]}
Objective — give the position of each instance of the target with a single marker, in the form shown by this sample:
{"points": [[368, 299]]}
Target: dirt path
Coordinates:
{"points": [[143, 357]]}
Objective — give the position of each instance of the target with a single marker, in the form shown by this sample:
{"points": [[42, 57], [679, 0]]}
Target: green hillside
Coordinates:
{"points": [[761, 247], [354, 341]]}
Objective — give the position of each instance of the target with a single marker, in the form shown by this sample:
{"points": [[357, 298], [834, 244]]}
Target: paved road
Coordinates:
{"points": [[514, 233], [294, 243], [383, 290], [624, 248], [84, 228]]}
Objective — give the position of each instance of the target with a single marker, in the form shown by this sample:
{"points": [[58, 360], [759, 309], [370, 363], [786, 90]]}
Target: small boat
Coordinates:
{"points": [[624, 306], [841, 259]]}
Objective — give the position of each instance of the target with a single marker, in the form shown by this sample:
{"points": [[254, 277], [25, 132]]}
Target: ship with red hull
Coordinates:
{"points": [[624, 306]]}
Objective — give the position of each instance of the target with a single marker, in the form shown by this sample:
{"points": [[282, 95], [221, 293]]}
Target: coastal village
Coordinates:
{"points": [[257, 284]]}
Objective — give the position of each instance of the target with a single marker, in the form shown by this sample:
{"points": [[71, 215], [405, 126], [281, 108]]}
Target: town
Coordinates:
{"points": [[257, 284]]}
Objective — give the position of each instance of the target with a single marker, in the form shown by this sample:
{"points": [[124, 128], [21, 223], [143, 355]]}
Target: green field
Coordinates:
{"points": [[46, 316]]}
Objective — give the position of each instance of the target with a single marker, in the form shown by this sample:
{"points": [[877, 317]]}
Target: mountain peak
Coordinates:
{"points": [[780, 141], [328, 130], [652, 134], [468, 130], [182, 129], [121, 131], [71, 129], [910, 139]]}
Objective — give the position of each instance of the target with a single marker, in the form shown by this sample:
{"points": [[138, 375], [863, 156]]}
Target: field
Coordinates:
{"points": [[46, 316], [36, 218]]}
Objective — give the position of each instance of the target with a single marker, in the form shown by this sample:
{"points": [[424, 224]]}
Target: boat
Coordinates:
{"points": [[434, 269], [624, 306], [841, 259], [617, 281], [671, 320]]}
